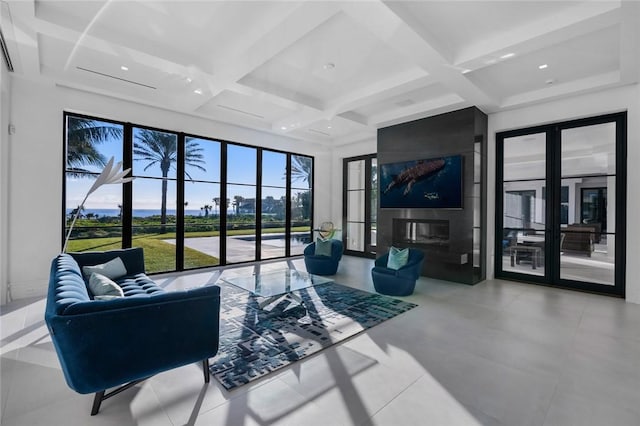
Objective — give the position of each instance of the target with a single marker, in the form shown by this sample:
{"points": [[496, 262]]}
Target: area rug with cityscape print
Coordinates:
{"points": [[255, 342]]}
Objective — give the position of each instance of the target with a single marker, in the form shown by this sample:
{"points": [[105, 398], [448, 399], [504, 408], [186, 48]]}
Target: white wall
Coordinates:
{"points": [[5, 119], [35, 167], [614, 100]]}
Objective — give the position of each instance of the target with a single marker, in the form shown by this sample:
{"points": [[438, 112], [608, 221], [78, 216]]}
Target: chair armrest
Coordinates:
{"points": [[382, 260], [136, 337], [310, 249]]}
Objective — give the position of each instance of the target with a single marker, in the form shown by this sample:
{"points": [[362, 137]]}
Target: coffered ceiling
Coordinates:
{"points": [[330, 72]]}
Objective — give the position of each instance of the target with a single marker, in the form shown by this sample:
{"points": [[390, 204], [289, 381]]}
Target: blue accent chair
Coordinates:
{"points": [[104, 344], [323, 265], [399, 282]]}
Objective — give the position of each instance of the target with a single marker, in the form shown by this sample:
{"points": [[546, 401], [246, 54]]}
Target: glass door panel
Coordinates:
{"points": [[373, 229], [241, 203], [360, 205], [154, 197], [273, 205], [588, 170], [355, 205], [201, 224], [201, 203], [301, 211], [524, 217]]}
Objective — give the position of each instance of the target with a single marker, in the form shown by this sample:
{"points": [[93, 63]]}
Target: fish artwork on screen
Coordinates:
{"points": [[428, 183]]}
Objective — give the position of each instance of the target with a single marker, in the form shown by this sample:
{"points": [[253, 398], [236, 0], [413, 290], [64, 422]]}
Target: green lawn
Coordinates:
{"points": [[159, 255]]}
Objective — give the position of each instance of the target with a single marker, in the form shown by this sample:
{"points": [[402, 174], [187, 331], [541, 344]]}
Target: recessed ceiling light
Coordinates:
{"points": [[543, 66], [283, 127], [329, 66], [466, 70], [189, 80], [507, 55], [329, 127], [123, 68], [198, 91]]}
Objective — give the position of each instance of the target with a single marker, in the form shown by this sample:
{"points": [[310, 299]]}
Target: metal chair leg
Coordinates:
{"points": [[206, 371], [97, 400]]}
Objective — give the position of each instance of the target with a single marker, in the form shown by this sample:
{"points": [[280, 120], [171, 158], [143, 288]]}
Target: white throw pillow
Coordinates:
{"points": [[112, 269], [103, 286]]}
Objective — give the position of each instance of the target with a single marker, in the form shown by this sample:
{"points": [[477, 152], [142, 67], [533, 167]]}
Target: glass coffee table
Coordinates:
{"points": [[276, 285]]}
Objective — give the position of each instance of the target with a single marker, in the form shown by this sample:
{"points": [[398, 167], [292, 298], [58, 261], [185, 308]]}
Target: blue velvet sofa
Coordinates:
{"points": [[102, 344], [400, 282], [320, 264]]}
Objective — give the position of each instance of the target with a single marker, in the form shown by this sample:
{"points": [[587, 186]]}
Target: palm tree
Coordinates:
{"points": [[300, 168], [216, 201], [159, 148], [75, 212], [82, 137], [237, 202]]}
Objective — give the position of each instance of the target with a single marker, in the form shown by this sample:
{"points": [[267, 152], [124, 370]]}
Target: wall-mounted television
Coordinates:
{"points": [[433, 183]]}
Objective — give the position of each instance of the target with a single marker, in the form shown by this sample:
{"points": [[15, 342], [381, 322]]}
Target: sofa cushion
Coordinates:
{"points": [[138, 285], [112, 269], [397, 258], [102, 286]]}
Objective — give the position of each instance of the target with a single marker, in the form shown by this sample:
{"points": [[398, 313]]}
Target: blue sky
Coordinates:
{"points": [[147, 192]]}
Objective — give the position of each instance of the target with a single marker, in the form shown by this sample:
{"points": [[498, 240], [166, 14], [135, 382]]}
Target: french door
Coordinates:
{"points": [[561, 204], [360, 205]]}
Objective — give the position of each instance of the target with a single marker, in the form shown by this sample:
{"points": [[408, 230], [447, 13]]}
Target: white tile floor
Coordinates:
{"points": [[498, 353]]}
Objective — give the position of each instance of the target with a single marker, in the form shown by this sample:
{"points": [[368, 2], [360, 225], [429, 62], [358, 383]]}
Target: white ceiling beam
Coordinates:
{"points": [[402, 82], [584, 18], [264, 96], [277, 37], [365, 135], [431, 107], [395, 26], [107, 48]]}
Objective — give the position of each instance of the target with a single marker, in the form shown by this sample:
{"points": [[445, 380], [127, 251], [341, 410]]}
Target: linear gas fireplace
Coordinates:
{"points": [[421, 232]]}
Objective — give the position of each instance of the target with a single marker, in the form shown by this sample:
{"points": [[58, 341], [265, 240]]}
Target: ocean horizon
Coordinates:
{"points": [[140, 212]]}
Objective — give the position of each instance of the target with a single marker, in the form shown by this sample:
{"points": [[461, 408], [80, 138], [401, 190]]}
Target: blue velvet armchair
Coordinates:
{"points": [[103, 344], [323, 265], [399, 282]]}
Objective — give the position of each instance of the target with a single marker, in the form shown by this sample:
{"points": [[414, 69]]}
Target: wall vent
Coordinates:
{"points": [[320, 132], [240, 111], [116, 78]]}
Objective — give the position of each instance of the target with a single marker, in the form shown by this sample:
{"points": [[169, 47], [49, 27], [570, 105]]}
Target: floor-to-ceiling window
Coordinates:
{"points": [[90, 144], [360, 204], [241, 203], [300, 202], [154, 197], [202, 203], [195, 202], [561, 215], [273, 204]]}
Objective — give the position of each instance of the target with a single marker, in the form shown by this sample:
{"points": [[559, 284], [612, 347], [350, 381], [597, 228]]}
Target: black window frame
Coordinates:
{"points": [[127, 193]]}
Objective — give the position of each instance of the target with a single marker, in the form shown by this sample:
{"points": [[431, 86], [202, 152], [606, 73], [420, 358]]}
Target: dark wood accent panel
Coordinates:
{"points": [[462, 132]]}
